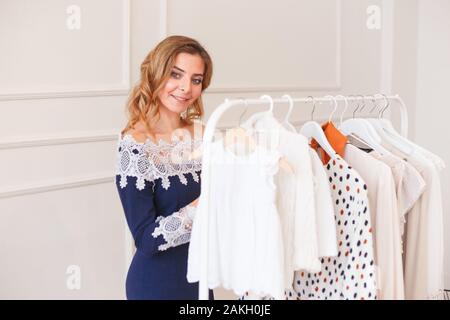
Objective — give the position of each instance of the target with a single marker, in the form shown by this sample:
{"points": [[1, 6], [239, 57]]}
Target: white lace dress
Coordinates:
{"points": [[245, 240]]}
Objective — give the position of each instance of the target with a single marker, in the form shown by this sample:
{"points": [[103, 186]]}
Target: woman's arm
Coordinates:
{"points": [[153, 233]]}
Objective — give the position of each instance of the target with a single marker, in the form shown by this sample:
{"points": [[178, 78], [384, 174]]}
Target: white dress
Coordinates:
{"points": [[303, 200], [295, 194], [424, 232], [409, 184], [325, 221], [385, 221], [245, 241]]}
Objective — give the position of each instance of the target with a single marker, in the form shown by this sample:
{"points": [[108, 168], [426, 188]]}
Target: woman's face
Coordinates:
{"points": [[185, 83]]}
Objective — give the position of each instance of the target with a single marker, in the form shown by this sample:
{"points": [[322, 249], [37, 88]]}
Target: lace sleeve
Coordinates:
{"points": [[176, 228]]}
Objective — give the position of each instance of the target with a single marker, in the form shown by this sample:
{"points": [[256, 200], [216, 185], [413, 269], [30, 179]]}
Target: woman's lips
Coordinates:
{"points": [[179, 98]]}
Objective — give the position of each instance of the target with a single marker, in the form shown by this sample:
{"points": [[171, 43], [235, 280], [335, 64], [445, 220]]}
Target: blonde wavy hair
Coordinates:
{"points": [[142, 103]]}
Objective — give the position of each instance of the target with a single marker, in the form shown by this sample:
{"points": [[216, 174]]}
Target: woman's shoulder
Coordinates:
{"points": [[139, 133]]}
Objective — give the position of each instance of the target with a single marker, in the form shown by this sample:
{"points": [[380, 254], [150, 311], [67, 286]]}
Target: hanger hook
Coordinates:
{"points": [[386, 101], [345, 107], [291, 106], [373, 99], [365, 98], [245, 110], [357, 105], [352, 99], [267, 97], [387, 105], [363, 102], [314, 106], [332, 99]]}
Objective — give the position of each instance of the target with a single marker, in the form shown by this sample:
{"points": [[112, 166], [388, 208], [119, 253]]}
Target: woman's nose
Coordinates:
{"points": [[185, 86]]}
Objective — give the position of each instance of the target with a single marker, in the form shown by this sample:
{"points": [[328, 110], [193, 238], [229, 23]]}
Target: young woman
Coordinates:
{"points": [[158, 183]]}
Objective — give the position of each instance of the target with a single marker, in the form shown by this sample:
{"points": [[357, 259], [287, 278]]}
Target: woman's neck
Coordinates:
{"points": [[168, 121]]}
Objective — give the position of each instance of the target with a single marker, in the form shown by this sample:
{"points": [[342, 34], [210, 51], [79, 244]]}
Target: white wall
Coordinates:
{"points": [[62, 99], [433, 87], [404, 60], [421, 71]]}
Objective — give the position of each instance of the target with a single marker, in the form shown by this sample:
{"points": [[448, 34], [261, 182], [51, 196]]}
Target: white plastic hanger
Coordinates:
{"points": [[391, 136], [364, 121], [387, 132], [239, 134], [334, 109], [233, 135], [258, 115], [359, 123], [369, 126], [284, 164], [361, 129], [286, 122], [312, 129]]}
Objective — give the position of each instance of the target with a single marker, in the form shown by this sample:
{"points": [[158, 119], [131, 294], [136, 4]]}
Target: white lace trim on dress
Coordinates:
{"points": [[148, 161]]}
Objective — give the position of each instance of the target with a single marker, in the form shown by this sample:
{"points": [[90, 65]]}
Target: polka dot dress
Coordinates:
{"points": [[350, 275]]}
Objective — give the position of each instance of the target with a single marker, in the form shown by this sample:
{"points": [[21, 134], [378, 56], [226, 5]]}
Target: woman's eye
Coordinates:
{"points": [[177, 75]]}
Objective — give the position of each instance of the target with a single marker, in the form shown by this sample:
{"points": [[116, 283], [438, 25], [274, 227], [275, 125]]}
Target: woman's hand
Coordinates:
{"points": [[191, 209], [194, 203]]}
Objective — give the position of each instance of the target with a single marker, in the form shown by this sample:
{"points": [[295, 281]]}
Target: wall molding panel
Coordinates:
{"points": [[55, 185], [227, 89], [120, 89], [58, 140]]}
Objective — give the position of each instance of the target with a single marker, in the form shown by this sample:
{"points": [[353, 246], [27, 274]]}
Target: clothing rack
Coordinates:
{"points": [[207, 139]]}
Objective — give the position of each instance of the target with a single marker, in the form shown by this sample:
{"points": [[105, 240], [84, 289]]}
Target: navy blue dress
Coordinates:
{"points": [[156, 184]]}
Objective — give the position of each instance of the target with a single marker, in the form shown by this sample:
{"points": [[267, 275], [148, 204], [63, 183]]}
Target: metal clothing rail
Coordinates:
{"points": [[207, 139]]}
